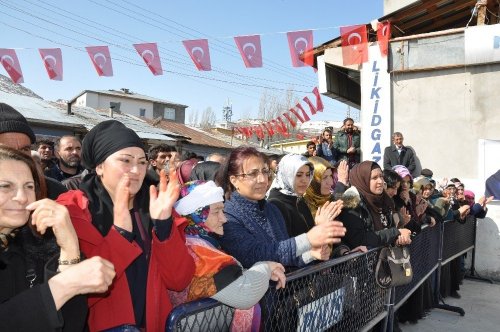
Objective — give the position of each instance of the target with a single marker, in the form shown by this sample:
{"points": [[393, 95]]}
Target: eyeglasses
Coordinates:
{"points": [[266, 172]]}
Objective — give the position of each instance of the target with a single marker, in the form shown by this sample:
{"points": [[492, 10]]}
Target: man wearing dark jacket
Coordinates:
{"points": [[348, 143], [398, 154]]}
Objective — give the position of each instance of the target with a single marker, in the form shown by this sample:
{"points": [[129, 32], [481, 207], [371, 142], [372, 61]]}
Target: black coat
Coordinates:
{"points": [[360, 230], [33, 309], [298, 217], [392, 158]]}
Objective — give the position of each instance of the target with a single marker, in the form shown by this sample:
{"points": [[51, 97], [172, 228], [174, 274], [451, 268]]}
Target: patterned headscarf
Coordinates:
{"points": [[313, 196], [287, 169], [194, 205]]}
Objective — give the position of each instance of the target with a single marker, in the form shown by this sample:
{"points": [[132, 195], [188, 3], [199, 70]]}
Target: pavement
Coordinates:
{"points": [[481, 303]]}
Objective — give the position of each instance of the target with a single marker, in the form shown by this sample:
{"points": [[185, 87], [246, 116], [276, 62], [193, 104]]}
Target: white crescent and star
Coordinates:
{"points": [[352, 36], [303, 40], [384, 30], [52, 58], [151, 55], [252, 46], [199, 49], [4, 57], [100, 55]]}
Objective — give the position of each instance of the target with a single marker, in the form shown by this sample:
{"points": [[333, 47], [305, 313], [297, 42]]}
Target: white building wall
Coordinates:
{"points": [[391, 6], [129, 106]]}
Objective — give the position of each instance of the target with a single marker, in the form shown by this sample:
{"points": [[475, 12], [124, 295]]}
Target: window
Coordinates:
{"points": [[142, 112], [169, 113]]}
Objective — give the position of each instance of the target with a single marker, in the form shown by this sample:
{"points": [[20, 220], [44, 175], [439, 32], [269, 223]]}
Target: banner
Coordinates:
{"points": [[149, 53], [482, 44], [52, 59], [375, 106], [250, 50]]}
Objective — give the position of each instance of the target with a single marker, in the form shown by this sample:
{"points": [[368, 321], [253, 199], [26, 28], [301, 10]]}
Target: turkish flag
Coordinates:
{"points": [[149, 53], [100, 57], [383, 36], [10, 62], [319, 103], [284, 130], [269, 129], [312, 108], [52, 59], [250, 50], [304, 114], [354, 44], [300, 136], [259, 132], [199, 53], [301, 45], [288, 117]]}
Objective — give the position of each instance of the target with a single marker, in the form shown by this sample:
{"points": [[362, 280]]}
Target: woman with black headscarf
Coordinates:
{"points": [[368, 210], [118, 217]]}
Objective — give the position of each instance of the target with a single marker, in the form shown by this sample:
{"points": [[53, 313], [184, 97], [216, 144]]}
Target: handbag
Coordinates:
{"points": [[393, 267]]}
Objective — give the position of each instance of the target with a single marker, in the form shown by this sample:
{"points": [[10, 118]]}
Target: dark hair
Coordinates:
{"points": [[234, 165], [186, 155], [57, 143], [7, 153], [46, 142], [348, 119], [391, 178], [455, 180], [310, 143], [154, 150]]}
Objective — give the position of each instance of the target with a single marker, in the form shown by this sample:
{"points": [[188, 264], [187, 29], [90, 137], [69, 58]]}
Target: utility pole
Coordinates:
{"points": [[227, 111]]}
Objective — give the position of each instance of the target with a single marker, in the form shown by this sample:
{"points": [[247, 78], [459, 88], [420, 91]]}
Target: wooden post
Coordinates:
{"points": [[481, 12]]}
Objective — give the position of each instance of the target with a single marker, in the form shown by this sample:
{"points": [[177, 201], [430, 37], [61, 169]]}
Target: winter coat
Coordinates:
{"points": [[392, 158], [341, 145]]}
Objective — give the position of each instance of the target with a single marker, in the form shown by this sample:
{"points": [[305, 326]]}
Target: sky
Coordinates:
{"points": [[27, 25]]}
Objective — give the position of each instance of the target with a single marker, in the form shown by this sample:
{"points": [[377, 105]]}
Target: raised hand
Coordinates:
{"points": [[121, 205], [326, 233], [405, 216], [328, 212], [49, 214], [343, 172], [162, 200]]}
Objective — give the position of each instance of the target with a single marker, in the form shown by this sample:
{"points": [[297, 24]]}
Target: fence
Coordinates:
{"points": [[340, 294]]}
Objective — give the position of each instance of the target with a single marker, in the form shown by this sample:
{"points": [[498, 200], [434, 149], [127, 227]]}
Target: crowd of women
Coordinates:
{"points": [[143, 248]]}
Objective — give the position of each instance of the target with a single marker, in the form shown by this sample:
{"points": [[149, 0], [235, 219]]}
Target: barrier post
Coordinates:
{"points": [[388, 324], [472, 270], [437, 295]]}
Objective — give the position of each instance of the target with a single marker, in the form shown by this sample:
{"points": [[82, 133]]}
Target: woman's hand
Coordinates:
{"points": [[405, 215], [121, 213], [321, 253], [464, 211], [432, 222], [49, 214], [328, 212], [358, 249], [326, 233], [277, 274], [483, 201], [93, 275], [162, 200], [343, 172], [404, 237]]}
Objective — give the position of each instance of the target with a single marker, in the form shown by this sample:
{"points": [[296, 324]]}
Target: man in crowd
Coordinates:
{"points": [[347, 144], [217, 157], [159, 156], [311, 149], [45, 149], [68, 151], [325, 148], [16, 133], [398, 154]]}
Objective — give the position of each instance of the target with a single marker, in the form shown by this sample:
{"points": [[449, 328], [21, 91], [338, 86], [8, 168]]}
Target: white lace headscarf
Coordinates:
{"points": [[287, 170]]}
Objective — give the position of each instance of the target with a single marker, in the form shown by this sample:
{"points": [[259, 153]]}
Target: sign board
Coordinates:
{"points": [[482, 44]]}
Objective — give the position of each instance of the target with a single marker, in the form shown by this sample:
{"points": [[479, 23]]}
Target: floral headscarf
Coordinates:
{"points": [[287, 169], [194, 205]]}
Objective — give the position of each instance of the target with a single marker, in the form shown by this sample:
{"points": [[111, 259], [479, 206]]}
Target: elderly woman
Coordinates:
{"points": [[29, 300], [368, 210], [118, 216], [218, 275], [255, 230]]}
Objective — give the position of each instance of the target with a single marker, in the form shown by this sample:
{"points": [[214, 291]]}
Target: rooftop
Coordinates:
{"points": [[126, 93]]}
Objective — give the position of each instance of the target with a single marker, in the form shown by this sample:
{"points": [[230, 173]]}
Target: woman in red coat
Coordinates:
{"points": [[119, 217]]}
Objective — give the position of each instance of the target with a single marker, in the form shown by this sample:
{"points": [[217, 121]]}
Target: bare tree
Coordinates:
{"points": [[208, 118], [193, 118]]}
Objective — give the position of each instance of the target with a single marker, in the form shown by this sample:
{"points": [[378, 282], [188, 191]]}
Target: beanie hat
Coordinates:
{"points": [[11, 121], [427, 173], [402, 171]]}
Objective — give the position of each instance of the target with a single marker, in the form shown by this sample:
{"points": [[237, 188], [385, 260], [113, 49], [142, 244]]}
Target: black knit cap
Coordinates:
{"points": [[11, 121], [105, 139]]}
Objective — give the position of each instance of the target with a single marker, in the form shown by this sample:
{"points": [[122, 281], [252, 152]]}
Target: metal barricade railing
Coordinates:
{"points": [[340, 294]]}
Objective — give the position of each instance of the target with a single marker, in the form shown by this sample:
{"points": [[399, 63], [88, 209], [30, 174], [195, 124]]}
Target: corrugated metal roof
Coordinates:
{"points": [[130, 95], [38, 109]]}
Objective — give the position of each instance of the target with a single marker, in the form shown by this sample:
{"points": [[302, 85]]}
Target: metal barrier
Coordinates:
{"points": [[340, 294]]}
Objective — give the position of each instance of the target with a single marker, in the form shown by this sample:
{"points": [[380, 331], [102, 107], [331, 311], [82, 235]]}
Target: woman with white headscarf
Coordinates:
{"points": [[294, 176]]}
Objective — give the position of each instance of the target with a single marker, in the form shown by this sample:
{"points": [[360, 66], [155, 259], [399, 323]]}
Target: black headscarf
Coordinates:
{"points": [[102, 141], [205, 171], [359, 177], [105, 139]]}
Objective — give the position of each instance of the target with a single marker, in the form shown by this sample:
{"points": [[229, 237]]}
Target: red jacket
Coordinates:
{"points": [[170, 268]]}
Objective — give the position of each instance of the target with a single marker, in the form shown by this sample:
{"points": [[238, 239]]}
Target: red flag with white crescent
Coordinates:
{"points": [[312, 108], [52, 59], [300, 136], [250, 50], [301, 46], [289, 118], [259, 132], [100, 57], [383, 36], [284, 130], [269, 129], [199, 53], [354, 44], [297, 115], [149, 53], [319, 103], [10, 62]]}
